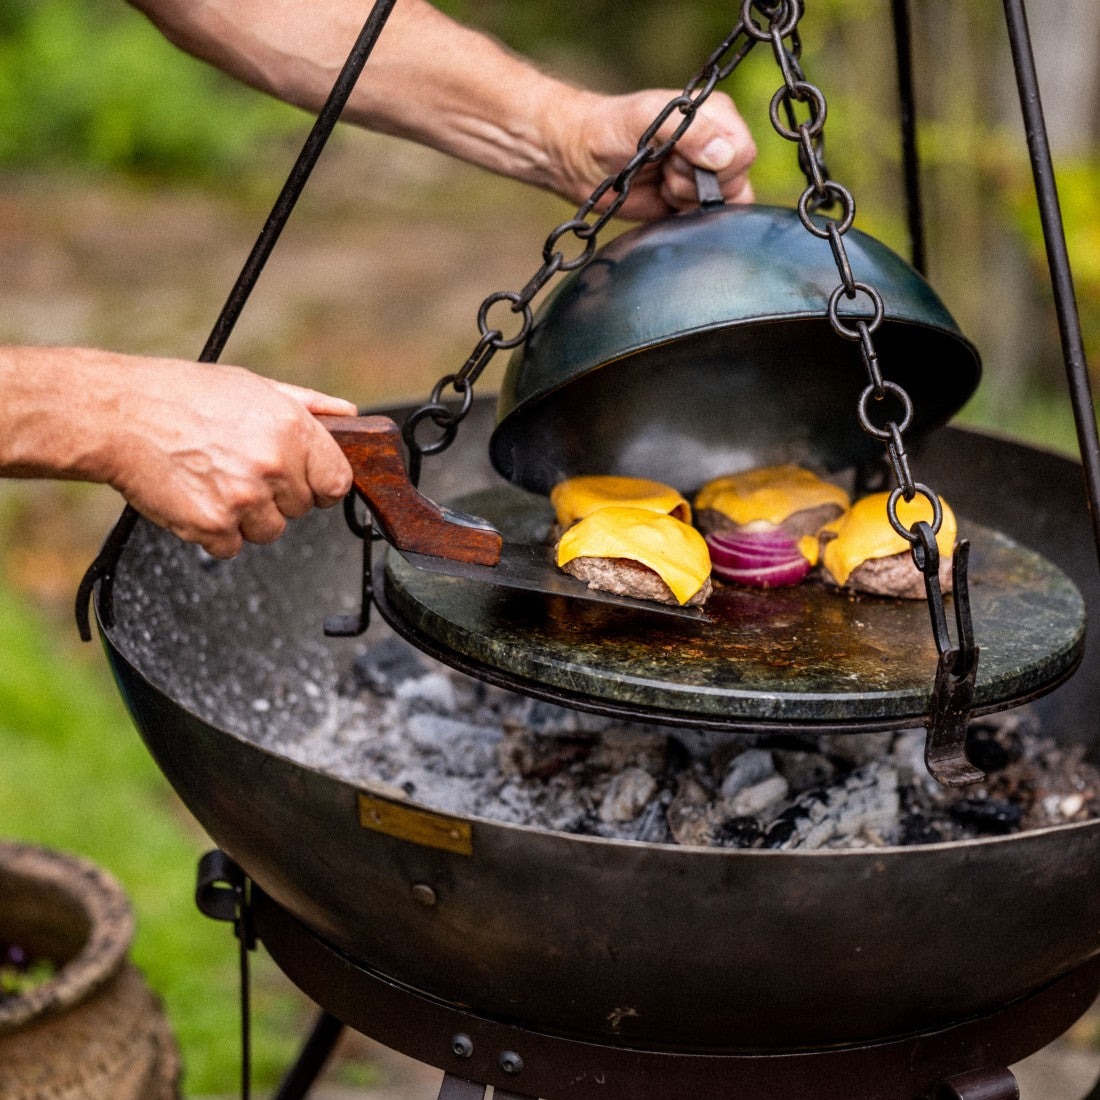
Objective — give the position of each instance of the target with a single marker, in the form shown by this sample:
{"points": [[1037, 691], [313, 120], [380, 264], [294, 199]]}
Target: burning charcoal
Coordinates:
{"points": [[747, 770], [627, 795], [691, 817], [526, 755], [382, 667], [738, 832], [757, 800], [860, 811], [804, 770], [987, 815]]}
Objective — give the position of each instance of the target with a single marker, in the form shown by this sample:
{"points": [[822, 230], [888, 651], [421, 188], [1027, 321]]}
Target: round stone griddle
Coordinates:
{"points": [[801, 656]]}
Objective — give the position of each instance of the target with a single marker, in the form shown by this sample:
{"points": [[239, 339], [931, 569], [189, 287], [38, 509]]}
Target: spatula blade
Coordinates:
{"points": [[532, 568]]}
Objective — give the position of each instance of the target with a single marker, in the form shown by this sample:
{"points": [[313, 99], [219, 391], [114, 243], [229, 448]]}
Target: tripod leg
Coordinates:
{"points": [[1095, 1094], [305, 1071]]}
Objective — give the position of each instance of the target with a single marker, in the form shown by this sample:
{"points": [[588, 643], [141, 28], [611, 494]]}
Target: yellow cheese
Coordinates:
{"points": [[676, 552], [865, 533], [772, 494], [578, 497]]}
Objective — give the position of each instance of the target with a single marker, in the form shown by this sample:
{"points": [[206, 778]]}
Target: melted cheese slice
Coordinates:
{"points": [[865, 533], [676, 552], [771, 494], [578, 497]]}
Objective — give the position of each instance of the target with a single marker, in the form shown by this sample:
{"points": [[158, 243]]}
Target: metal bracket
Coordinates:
{"points": [[982, 1084], [458, 1088], [356, 623], [957, 669], [102, 571], [222, 893]]}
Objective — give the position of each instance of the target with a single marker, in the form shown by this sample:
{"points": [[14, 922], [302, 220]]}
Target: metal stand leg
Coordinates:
{"points": [[982, 1084], [458, 1088], [311, 1061], [1094, 1094]]}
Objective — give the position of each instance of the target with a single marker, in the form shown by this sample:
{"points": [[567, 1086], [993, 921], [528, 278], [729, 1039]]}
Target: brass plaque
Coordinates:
{"points": [[430, 830]]}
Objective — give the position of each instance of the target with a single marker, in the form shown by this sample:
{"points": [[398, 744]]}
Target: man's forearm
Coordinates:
{"points": [[50, 399], [429, 78]]}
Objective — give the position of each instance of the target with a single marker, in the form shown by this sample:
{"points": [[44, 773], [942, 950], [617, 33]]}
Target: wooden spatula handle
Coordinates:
{"points": [[408, 520]]}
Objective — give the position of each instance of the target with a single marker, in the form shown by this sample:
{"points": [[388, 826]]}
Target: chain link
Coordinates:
{"points": [[822, 192], [586, 225]]}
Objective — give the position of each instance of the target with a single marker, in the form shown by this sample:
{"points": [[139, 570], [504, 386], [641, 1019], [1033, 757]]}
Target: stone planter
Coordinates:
{"points": [[94, 1031]]}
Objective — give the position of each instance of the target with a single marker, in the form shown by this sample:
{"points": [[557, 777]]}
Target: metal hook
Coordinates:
{"points": [[356, 623], [957, 668]]}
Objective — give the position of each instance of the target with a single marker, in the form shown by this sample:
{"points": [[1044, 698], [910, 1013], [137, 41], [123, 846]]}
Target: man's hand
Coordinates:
{"points": [[216, 454], [597, 135], [220, 456]]}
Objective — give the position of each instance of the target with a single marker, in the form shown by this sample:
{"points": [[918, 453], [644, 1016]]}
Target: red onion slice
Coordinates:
{"points": [[764, 558]]}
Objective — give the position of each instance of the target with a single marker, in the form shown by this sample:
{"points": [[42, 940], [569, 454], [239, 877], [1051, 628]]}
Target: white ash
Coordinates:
{"points": [[406, 725]]}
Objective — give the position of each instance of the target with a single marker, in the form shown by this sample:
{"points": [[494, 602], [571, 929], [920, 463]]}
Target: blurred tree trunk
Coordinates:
{"points": [[1066, 38]]}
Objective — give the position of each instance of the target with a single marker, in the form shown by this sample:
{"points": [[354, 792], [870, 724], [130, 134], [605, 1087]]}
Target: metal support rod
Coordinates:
{"points": [[296, 181], [103, 568], [1061, 277], [301, 1076], [903, 48], [246, 1014]]}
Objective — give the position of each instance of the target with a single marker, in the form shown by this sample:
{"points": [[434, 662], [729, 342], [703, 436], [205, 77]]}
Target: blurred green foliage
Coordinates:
{"points": [[92, 83], [77, 778]]}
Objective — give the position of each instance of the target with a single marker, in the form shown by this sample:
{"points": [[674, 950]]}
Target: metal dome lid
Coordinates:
{"points": [[699, 345]]}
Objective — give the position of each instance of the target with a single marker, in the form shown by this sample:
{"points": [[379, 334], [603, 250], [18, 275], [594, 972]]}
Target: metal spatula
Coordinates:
{"points": [[441, 541]]}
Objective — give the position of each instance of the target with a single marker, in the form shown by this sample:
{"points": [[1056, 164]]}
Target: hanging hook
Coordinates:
{"points": [[356, 623], [957, 668]]}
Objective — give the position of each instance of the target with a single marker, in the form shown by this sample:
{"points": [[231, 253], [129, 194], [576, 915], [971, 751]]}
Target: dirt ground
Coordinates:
{"points": [[372, 294]]}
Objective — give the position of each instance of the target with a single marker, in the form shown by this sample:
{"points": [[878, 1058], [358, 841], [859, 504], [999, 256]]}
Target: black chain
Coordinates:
{"points": [[585, 226], [953, 689], [822, 192]]}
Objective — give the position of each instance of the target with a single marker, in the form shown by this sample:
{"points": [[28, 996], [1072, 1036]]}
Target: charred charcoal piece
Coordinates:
{"points": [[757, 800], [915, 828], [738, 832], [805, 770], [690, 816], [627, 796], [533, 756], [653, 822], [677, 756], [986, 752], [382, 667], [784, 827], [747, 770], [987, 815]]}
